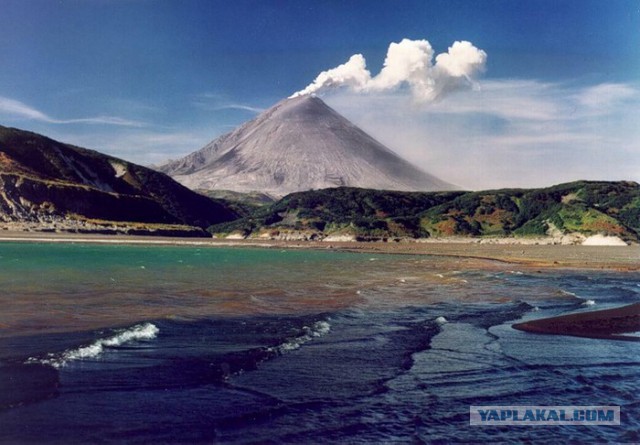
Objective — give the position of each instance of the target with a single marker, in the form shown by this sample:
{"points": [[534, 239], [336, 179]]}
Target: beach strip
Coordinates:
{"points": [[544, 256]]}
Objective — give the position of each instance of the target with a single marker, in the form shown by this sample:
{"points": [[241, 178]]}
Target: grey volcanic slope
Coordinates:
{"points": [[298, 144]]}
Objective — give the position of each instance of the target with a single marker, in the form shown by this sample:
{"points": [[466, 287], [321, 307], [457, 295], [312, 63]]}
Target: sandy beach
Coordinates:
{"points": [[617, 258]]}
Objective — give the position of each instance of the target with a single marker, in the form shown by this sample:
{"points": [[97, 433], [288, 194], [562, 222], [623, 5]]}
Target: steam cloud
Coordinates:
{"points": [[408, 63]]}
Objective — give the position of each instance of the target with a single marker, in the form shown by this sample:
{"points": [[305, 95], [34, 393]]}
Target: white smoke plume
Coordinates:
{"points": [[352, 74], [409, 63]]}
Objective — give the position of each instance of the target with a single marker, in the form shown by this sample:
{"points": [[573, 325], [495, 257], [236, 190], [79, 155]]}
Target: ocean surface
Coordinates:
{"points": [[151, 344]]}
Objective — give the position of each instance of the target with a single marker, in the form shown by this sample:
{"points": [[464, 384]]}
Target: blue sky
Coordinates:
{"points": [[145, 80]]}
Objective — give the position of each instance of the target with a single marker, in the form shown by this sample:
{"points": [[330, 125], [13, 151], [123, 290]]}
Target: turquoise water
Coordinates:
{"points": [[62, 287], [139, 344], [66, 287]]}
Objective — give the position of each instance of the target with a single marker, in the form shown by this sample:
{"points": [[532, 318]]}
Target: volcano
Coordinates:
{"points": [[298, 144]]}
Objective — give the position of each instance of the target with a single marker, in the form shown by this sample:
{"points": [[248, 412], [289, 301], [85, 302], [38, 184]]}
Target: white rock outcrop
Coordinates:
{"points": [[603, 240]]}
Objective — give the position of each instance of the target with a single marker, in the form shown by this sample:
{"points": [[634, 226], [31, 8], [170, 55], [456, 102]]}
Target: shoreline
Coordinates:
{"points": [[616, 258], [608, 324]]}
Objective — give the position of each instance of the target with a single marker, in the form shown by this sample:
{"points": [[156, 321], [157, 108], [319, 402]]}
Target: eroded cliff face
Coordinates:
{"points": [[45, 181], [28, 199], [299, 144]]}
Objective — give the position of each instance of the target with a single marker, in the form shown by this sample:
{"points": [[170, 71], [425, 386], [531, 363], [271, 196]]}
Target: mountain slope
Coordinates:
{"points": [[581, 208], [44, 180], [298, 144]]}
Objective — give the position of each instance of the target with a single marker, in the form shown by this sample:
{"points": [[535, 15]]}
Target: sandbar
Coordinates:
{"points": [[609, 324]]}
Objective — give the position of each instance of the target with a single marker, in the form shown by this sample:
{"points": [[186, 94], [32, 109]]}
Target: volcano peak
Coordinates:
{"points": [[299, 144]]}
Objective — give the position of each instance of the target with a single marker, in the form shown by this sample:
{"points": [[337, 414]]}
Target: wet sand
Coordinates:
{"points": [[530, 256], [607, 324]]}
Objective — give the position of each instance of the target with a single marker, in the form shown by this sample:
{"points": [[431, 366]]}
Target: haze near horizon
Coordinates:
{"points": [[483, 95]]}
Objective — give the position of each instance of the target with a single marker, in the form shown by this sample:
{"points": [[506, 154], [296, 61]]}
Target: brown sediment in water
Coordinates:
{"points": [[605, 324], [427, 274]]}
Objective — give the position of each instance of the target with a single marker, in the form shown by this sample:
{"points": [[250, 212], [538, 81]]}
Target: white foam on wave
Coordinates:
{"points": [[589, 303], [441, 320], [318, 329], [145, 331]]}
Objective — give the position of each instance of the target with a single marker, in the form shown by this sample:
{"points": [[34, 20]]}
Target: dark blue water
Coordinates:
{"points": [[379, 370]]}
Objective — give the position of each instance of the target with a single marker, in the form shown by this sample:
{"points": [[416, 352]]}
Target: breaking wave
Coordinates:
{"points": [[441, 320], [145, 331], [317, 329]]}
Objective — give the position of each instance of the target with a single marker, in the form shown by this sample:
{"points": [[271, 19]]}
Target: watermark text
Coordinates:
{"points": [[544, 415]]}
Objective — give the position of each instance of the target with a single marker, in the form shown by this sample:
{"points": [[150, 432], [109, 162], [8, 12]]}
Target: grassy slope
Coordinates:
{"points": [[611, 208]]}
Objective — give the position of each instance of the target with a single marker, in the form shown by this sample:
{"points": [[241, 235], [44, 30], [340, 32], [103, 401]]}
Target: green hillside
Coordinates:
{"points": [[43, 181], [586, 207]]}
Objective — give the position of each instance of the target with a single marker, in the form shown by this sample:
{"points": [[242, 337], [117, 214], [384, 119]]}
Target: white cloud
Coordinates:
{"points": [[100, 120], [241, 107], [352, 74], [510, 100], [142, 146], [462, 60], [602, 97], [217, 102], [16, 109], [408, 63], [510, 133], [132, 140]]}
